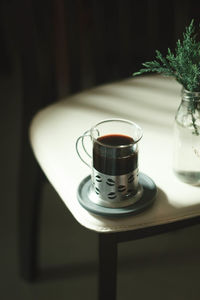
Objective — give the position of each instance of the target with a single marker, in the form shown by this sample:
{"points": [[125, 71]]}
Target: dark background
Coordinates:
{"points": [[48, 50]]}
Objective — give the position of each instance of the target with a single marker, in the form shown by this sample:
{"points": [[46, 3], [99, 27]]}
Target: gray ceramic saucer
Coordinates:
{"points": [[146, 200]]}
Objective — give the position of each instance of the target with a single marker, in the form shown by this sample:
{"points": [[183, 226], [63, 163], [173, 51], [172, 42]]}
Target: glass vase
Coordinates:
{"points": [[186, 156]]}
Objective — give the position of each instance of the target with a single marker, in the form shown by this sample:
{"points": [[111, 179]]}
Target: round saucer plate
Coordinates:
{"points": [[146, 200]]}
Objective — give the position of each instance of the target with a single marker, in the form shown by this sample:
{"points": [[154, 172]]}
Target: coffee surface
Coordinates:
{"points": [[115, 140], [109, 158]]}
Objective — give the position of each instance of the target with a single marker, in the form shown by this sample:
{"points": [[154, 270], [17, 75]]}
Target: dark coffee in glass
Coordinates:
{"points": [[115, 154], [114, 162]]}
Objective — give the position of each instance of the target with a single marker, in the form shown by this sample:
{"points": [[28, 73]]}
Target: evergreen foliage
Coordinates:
{"points": [[184, 64]]}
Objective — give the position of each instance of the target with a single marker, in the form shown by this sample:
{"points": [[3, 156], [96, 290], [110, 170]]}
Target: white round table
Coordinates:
{"points": [[151, 101]]}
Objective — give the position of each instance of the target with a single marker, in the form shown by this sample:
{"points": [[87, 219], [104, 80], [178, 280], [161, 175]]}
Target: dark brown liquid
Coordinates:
{"points": [[110, 160]]}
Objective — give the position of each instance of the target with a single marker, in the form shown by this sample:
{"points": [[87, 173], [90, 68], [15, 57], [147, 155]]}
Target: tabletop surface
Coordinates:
{"points": [[150, 101]]}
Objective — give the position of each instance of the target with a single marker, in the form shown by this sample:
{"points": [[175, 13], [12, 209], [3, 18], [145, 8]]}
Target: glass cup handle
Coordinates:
{"points": [[81, 140]]}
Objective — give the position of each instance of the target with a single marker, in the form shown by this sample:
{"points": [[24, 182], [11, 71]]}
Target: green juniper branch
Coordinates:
{"points": [[183, 65]]}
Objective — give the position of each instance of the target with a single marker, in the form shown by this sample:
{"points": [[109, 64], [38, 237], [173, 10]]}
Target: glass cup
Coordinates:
{"points": [[113, 162]]}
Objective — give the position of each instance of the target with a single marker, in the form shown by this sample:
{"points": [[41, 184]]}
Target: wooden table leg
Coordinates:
{"points": [[107, 266]]}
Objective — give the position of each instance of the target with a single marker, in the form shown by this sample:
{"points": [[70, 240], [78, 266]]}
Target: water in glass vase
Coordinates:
{"points": [[186, 154]]}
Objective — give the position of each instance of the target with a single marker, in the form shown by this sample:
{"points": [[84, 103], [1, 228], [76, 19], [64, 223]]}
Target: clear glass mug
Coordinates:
{"points": [[113, 162]]}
